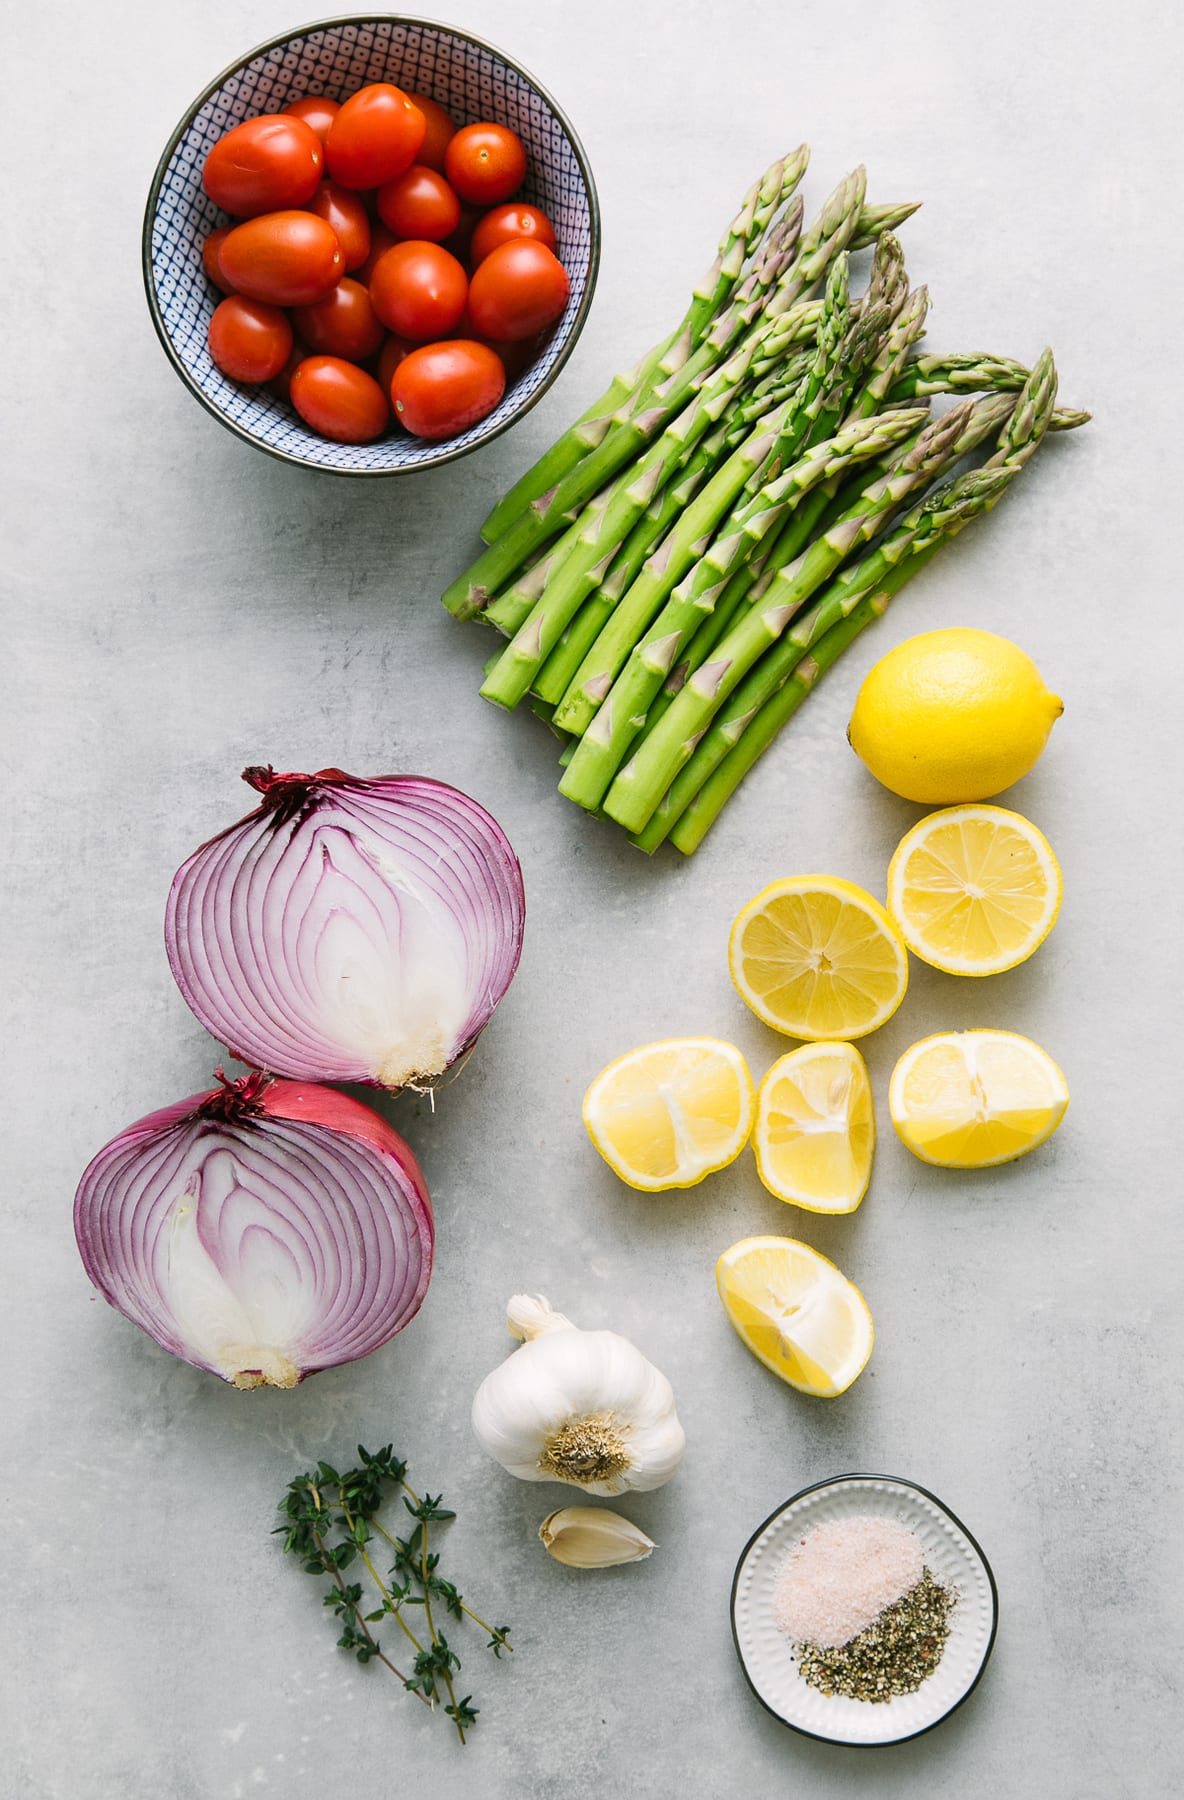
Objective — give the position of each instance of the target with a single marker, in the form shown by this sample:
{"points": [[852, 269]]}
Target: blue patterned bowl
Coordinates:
{"points": [[469, 78]]}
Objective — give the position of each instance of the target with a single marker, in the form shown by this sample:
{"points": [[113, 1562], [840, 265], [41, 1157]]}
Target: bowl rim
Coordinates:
{"points": [[275, 43], [871, 1743]]}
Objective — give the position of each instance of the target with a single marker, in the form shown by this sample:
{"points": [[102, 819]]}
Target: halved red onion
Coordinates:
{"points": [[349, 930], [264, 1230]]}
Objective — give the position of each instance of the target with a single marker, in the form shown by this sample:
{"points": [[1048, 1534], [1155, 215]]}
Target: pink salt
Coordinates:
{"points": [[840, 1577]]}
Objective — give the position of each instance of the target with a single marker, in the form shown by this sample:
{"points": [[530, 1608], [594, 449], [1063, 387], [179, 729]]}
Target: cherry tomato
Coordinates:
{"points": [[389, 358], [212, 259], [339, 400], [381, 240], [519, 288], [281, 384], [506, 222], [517, 358], [460, 242], [285, 258], [485, 163], [346, 213], [263, 165], [441, 389], [249, 341], [419, 204], [374, 137], [344, 323], [440, 128], [418, 290], [317, 111]]}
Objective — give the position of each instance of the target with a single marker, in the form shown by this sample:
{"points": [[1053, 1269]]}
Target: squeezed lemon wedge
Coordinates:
{"points": [[974, 889], [667, 1114], [816, 957], [816, 1128], [797, 1313], [969, 1099]]}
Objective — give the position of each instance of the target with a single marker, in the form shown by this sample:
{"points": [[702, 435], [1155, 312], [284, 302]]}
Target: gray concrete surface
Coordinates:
{"points": [[178, 605]]}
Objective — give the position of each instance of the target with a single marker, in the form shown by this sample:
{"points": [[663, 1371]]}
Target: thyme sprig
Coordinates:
{"points": [[331, 1521]]}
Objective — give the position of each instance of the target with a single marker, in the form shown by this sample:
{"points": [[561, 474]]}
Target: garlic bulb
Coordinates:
{"points": [[583, 1407], [592, 1537]]}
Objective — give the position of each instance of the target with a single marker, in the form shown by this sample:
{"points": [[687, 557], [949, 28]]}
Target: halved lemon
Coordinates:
{"points": [[816, 957], [974, 889], [968, 1099], [668, 1114], [797, 1313], [816, 1128]]}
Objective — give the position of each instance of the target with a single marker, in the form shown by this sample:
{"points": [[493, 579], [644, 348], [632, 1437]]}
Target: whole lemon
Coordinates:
{"points": [[951, 716]]}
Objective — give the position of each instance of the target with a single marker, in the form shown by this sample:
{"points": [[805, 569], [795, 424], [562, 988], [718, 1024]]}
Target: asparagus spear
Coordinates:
{"points": [[642, 782], [780, 432], [968, 372], [602, 527], [556, 673], [764, 292], [875, 220], [713, 291], [559, 671], [623, 712], [780, 681]]}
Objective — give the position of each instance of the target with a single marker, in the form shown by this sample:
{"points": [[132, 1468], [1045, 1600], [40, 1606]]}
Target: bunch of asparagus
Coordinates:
{"points": [[681, 567]]}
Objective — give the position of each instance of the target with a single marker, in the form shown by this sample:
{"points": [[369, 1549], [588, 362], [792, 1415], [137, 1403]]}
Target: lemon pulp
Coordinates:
{"points": [[816, 957], [667, 1114], [974, 889], [970, 1099], [815, 1128], [797, 1313]]}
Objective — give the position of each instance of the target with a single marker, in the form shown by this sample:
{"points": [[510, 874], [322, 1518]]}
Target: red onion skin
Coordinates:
{"points": [[293, 797], [262, 1096]]}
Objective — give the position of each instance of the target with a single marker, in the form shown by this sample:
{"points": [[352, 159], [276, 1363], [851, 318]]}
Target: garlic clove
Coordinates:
{"points": [[530, 1316], [592, 1537]]}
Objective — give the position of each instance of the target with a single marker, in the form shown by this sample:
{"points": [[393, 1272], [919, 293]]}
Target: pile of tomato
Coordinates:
{"points": [[377, 270]]}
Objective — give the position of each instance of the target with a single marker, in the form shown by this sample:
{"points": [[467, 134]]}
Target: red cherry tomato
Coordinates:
{"points": [[339, 400], [517, 358], [281, 384], [374, 137], [346, 213], [389, 358], [317, 111], [440, 128], [519, 289], [441, 389], [381, 240], [263, 165], [461, 240], [249, 341], [419, 204], [212, 259], [485, 163], [284, 258], [507, 222], [344, 323], [418, 290]]}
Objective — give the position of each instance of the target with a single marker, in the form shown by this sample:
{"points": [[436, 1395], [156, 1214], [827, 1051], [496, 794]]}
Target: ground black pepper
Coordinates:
{"points": [[890, 1657]]}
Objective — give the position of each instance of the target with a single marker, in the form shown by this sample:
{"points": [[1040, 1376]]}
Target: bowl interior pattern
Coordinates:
{"points": [[472, 82]]}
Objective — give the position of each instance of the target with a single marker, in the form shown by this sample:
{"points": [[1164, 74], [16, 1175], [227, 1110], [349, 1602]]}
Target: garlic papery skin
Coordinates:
{"points": [[592, 1537], [582, 1407]]}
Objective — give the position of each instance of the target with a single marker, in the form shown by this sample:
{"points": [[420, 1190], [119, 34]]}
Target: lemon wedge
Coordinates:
{"points": [[666, 1115], [816, 1128], [968, 1099], [974, 889], [796, 1312], [816, 957]]}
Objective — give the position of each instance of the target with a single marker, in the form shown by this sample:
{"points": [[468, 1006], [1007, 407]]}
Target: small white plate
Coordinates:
{"points": [[950, 1553]]}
